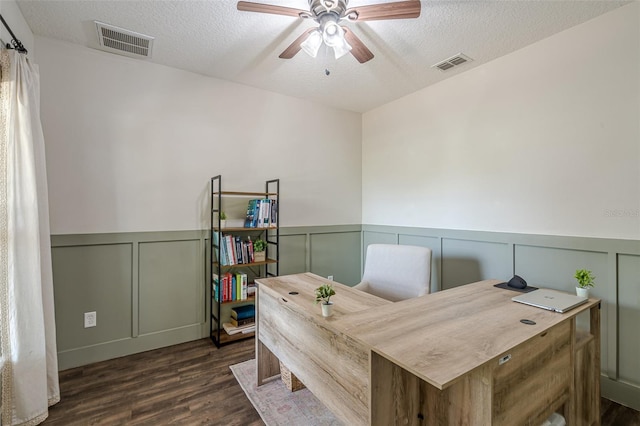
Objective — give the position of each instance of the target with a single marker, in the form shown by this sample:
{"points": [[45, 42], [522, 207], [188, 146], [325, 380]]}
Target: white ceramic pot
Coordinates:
{"points": [[582, 291], [223, 223], [327, 309]]}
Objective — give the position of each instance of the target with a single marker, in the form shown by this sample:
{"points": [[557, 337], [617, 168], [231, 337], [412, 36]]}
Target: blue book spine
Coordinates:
{"points": [[223, 253], [243, 312], [250, 221], [245, 315], [233, 288], [216, 243]]}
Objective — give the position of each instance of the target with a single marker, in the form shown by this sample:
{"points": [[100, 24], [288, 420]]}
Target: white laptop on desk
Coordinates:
{"points": [[551, 300]]}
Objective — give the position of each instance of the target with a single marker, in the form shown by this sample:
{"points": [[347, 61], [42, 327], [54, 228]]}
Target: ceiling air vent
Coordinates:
{"points": [[124, 42], [453, 61]]}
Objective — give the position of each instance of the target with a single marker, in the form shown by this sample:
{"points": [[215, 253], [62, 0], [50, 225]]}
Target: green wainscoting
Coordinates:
{"points": [[461, 257], [149, 289], [85, 281], [169, 285], [628, 280]]}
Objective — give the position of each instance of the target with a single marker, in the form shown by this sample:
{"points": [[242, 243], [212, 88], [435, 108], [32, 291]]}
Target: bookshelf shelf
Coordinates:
{"points": [[225, 339], [237, 302], [243, 229], [248, 265], [245, 194], [225, 256]]}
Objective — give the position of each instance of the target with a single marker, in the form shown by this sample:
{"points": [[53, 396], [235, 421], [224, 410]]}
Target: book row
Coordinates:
{"points": [[233, 250], [261, 213], [231, 287]]}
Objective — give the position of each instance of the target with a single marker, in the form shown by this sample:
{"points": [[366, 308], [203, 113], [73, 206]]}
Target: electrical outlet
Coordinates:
{"points": [[89, 319], [330, 277]]}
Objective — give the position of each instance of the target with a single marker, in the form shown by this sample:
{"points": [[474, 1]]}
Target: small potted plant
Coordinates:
{"points": [[223, 219], [585, 280], [259, 247], [323, 294]]}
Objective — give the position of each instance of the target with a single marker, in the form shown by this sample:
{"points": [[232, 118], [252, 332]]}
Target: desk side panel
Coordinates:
{"points": [[267, 365], [398, 397], [536, 380], [332, 365], [587, 373], [585, 384]]}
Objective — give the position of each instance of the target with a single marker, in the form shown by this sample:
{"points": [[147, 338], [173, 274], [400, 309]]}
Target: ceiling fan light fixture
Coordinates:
{"points": [[341, 49], [333, 36], [312, 44], [327, 13]]}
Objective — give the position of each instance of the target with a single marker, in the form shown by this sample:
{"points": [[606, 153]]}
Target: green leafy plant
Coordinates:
{"points": [[259, 245], [585, 278], [223, 216], [324, 293]]}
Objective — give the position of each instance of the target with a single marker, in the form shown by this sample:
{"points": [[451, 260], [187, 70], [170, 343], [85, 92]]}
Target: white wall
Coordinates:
{"points": [[545, 140], [11, 13], [131, 146]]}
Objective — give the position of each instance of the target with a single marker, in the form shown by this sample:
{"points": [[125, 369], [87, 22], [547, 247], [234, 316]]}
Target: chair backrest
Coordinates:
{"points": [[397, 272]]}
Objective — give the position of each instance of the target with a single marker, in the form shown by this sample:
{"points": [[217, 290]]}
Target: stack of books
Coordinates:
{"points": [[243, 320], [262, 213]]}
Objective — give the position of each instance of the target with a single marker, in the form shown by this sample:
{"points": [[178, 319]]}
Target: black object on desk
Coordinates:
{"points": [[517, 283]]}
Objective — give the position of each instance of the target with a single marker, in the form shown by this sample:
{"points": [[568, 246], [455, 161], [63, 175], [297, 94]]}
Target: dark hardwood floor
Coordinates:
{"points": [[613, 414], [187, 384]]}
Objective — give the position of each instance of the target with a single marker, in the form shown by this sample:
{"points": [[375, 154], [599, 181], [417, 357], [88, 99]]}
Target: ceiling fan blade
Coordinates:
{"points": [[295, 47], [247, 6], [397, 10], [358, 49]]}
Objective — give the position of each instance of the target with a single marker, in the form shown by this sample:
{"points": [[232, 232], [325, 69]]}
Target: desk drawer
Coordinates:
{"points": [[537, 375]]}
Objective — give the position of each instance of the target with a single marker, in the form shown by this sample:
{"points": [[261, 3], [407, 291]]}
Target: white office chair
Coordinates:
{"points": [[396, 272]]}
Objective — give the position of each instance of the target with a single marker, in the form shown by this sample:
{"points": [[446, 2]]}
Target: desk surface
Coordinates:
{"points": [[442, 336], [347, 300], [439, 337]]}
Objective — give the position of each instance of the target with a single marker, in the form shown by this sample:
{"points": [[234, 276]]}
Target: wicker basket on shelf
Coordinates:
{"points": [[290, 380]]}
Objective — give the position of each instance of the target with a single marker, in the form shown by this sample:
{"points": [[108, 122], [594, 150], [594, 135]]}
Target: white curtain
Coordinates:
{"points": [[27, 323]]}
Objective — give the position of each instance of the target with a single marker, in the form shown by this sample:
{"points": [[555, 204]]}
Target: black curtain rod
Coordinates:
{"points": [[15, 43]]}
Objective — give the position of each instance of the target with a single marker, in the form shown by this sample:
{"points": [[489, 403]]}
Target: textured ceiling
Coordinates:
{"points": [[214, 39]]}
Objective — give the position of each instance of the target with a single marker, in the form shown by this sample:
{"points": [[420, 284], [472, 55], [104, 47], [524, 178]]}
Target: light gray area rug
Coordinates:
{"points": [[277, 405]]}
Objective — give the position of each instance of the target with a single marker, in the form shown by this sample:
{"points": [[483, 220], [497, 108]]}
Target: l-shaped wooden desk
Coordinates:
{"points": [[459, 356]]}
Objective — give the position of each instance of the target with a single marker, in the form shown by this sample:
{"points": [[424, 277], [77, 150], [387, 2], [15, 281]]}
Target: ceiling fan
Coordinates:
{"points": [[328, 14]]}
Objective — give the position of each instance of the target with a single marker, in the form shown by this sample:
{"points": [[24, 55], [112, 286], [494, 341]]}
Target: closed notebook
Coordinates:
{"points": [[551, 300]]}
